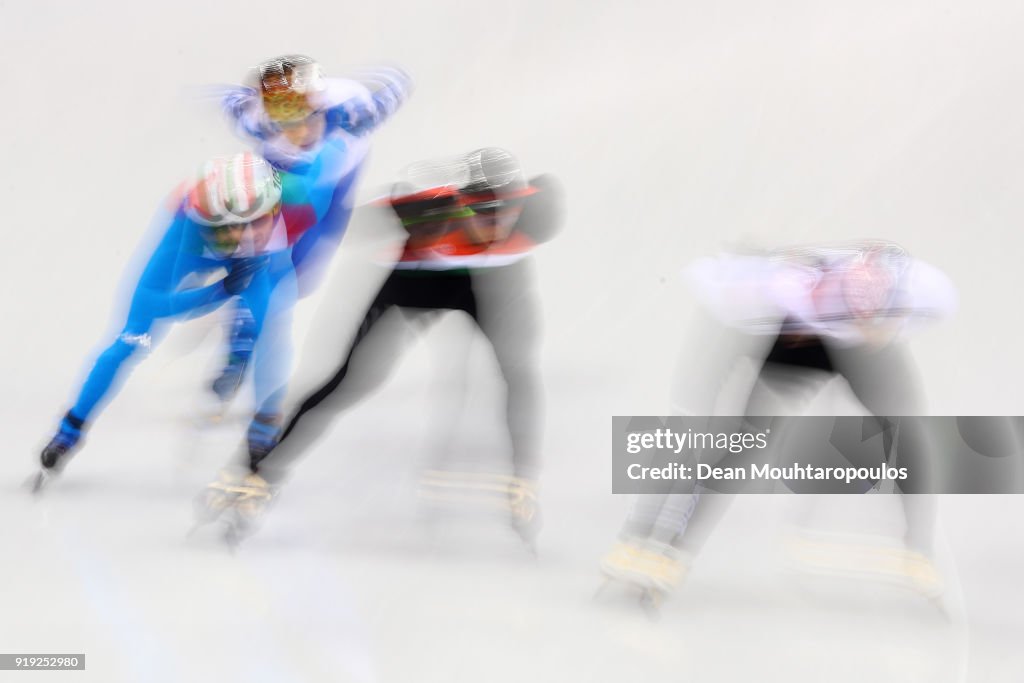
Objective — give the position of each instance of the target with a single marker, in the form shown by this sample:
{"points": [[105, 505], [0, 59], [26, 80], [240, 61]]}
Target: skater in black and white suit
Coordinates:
{"points": [[470, 249], [803, 316]]}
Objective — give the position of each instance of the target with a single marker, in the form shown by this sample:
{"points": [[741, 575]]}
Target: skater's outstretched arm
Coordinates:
{"points": [[179, 255], [354, 105]]}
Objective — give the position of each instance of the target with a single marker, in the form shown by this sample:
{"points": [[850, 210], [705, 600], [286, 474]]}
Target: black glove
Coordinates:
{"points": [[242, 271]]}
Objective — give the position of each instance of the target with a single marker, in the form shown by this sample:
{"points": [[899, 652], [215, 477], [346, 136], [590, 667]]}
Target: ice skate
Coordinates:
{"points": [[237, 499], [524, 512], [53, 459], [655, 569], [440, 487], [867, 559], [514, 496], [213, 406], [923, 575], [226, 385], [40, 480], [209, 413]]}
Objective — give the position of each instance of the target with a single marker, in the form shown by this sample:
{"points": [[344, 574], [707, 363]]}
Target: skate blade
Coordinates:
{"points": [[530, 544], [649, 598], [37, 482], [231, 533], [604, 587], [238, 529], [874, 564], [232, 539], [651, 602], [209, 507]]}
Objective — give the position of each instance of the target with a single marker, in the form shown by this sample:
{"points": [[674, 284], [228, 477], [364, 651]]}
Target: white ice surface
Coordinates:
{"points": [[677, 128]]}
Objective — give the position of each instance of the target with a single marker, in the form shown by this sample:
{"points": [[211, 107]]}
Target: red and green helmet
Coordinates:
{"points": [[233, 189]]}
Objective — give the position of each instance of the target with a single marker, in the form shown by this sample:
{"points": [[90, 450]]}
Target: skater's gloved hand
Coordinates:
{"points": [[388, 88], [242, 271], [543, 214]]}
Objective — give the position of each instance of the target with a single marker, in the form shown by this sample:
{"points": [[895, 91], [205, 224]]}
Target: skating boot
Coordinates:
{"points": [[241, 339], [239, 499], [923, 575], [866, 559], [209, 412], [524, 512], [621, 559], [227, 383], [56, 453], [513, 496], [656, 569]]}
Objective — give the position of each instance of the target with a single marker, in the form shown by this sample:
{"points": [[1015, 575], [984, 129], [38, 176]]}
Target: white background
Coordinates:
{"points": [[677, 128]]}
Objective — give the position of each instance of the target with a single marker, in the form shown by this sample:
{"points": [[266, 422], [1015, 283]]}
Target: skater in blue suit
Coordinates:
{"points": [[230, 220], [314, 130]]}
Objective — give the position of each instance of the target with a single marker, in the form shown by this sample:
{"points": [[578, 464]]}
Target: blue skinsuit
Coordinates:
{"points": [[159, 298], [327, 178]]}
